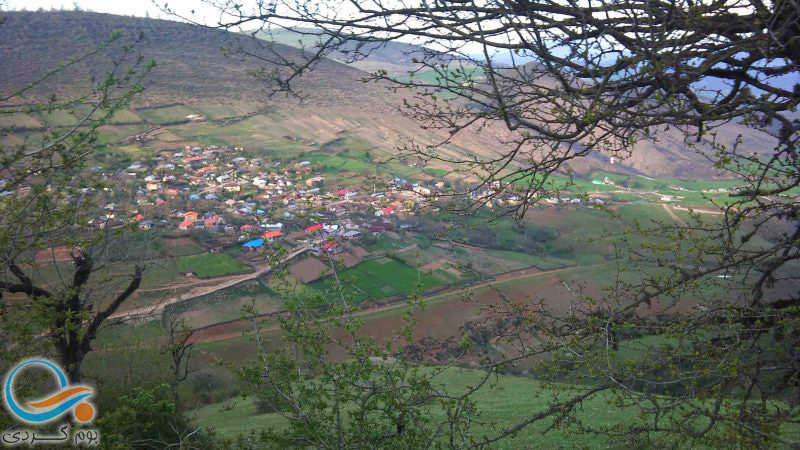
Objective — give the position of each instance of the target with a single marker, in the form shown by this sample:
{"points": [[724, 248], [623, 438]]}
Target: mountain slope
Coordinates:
{"points": [[193, 71], [191, 64], [396, 58]]}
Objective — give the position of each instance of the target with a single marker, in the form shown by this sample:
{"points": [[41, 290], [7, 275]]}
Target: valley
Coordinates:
{"points": [[257, 219]]}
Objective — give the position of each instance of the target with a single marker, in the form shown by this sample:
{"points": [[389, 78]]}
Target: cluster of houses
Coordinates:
{"points": [[494, 195], [254, 201]]}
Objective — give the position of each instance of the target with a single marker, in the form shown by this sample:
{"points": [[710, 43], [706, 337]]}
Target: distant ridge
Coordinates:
{"points": [[191, 64], [396, 58], [193, 70]]}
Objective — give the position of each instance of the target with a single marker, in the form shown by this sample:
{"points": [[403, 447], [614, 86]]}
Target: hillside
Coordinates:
{"points": [[193, 75], [190, 63], [396, 58]]}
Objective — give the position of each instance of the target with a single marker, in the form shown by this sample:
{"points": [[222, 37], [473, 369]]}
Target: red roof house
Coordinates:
{"points": [[206, 169], [313, 228]]}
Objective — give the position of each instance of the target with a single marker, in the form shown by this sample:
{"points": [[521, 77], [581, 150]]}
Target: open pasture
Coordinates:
{"points": [[166, 114], [383, 277], [209, 265]]}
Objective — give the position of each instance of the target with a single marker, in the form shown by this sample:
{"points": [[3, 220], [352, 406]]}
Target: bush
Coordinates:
{"points": [[212, 385], [148, 419]]}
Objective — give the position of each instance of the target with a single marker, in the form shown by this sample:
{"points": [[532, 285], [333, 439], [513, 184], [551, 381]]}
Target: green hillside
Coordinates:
{"points": [[504, 402]]}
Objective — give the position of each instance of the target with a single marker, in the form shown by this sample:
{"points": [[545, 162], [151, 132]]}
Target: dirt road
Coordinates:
{"points": [[231, 330], [700, 211], [674, 216], [201, 290]]}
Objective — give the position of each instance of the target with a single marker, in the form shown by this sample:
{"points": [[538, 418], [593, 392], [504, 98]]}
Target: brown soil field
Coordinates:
{"points": [[53, 254], [309, 269], [432, 266], [349, 260], [181, 246], [359, 251], [446, 311]]}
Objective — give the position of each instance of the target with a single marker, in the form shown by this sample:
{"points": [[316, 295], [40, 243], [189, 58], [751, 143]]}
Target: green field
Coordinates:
{"points": [[436, 172], [166, 114], [220, 111], [503, 404], [110, 134], [336, 163], [57, 118], [208, 265], [10, 120], [446, 82], [382, 277], [541, 262]]}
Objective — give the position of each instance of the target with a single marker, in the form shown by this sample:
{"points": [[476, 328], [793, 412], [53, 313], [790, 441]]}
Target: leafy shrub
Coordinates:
{"points": [[149, 419]]}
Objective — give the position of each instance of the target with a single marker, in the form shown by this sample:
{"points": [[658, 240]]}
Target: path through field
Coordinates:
{"points": [[201, 288], [229, 330], [674, 216]]}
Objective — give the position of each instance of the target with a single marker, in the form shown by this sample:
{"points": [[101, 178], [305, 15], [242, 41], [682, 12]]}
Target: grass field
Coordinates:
{"points": [[541, 262], [336, 163], [208, 265], [258, 133], [9, 120], [166, 114], [382, 277], [227, 304], [57, 118], [220, 111], [503, 404], [436, 172], [110, 134]]}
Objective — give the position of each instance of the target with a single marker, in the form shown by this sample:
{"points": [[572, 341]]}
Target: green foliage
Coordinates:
{"points": [[369, 400], [147, 419], [498, 235], [272, 383]]}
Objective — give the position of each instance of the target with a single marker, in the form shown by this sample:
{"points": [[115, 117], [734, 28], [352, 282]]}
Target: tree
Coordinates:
{"points": [[145, 419], [566, 78], [179, 345], [49, 197], [370, 400]]}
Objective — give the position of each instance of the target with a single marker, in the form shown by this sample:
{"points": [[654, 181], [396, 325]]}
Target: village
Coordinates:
{"points": [[239, 203], [257, 204]]}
